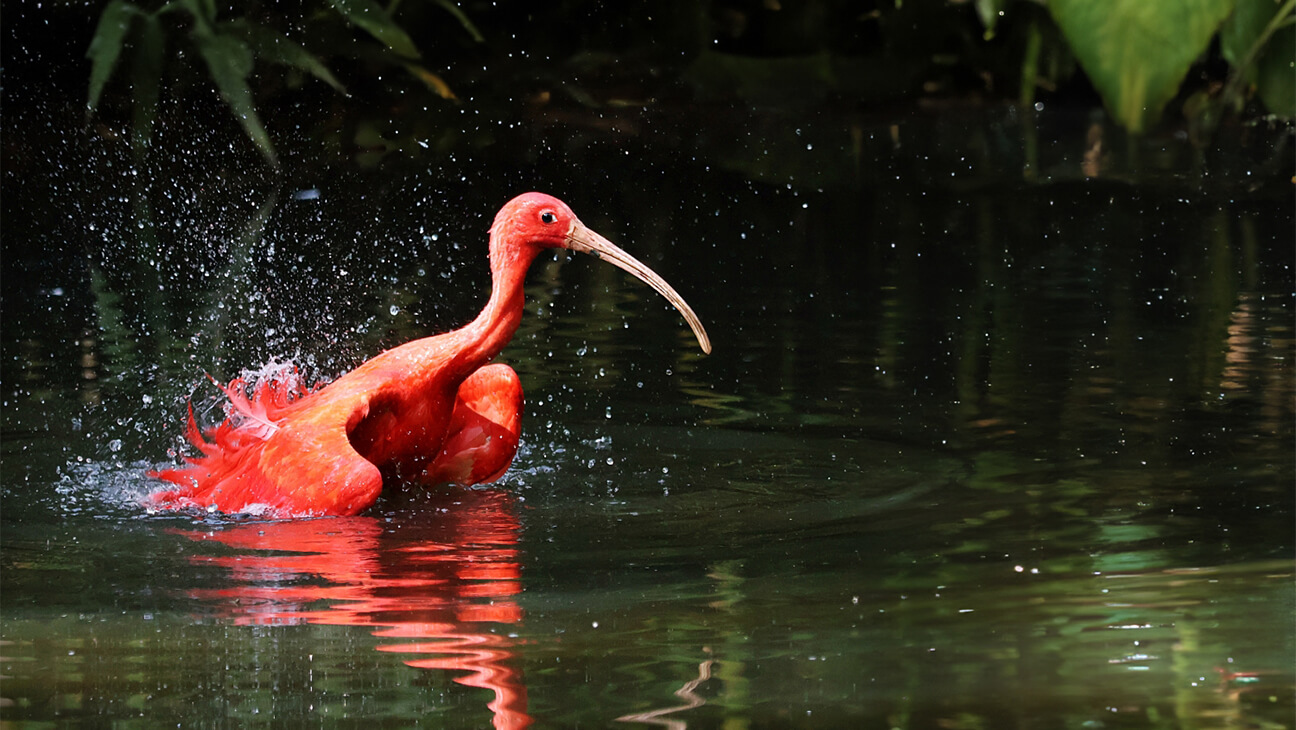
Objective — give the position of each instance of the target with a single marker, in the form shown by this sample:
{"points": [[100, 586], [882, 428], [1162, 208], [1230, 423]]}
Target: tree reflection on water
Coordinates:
{"points": [[438, 586]]}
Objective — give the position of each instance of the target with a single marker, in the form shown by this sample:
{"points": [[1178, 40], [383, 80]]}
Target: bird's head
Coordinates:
{"points": [[534, 219], [538, 221]]}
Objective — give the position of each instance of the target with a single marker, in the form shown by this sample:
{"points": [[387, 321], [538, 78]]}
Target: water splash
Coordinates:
{"points": [[101, 487]]}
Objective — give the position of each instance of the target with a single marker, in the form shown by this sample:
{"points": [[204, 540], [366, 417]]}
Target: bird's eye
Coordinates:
{"points": [[548, 217]]}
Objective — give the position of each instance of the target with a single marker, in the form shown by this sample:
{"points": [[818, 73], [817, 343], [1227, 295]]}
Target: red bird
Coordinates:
{"points": [[432, 410]]}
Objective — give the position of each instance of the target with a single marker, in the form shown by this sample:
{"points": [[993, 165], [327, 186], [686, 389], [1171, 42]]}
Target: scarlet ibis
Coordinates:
{"points": [[433, 410]]}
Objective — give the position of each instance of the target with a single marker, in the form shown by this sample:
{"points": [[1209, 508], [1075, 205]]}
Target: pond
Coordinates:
{"points": [[997, 431]]}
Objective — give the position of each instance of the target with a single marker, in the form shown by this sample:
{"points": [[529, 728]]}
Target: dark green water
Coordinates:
{"points": [[998, 432]]}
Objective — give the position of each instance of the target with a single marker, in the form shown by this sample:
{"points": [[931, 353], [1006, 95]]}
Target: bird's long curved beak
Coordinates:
{"points": [[580, 238]]}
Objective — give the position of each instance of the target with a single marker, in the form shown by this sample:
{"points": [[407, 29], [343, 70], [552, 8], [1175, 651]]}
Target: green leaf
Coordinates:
{"points": [[1276, 73], [146, 79], [1137, 52], [989, 11], [269, 44], [105, 47], [203, 11], [370, 16], [1259, 40], [1243, 28], [230, 61], [476, 34]]}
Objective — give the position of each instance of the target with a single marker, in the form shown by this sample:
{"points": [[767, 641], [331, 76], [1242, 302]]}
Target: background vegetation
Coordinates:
{"points": [[1201, 58]]}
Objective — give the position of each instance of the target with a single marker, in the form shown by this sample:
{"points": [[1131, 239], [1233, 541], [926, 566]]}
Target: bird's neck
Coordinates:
{"points": [[488, 334]]}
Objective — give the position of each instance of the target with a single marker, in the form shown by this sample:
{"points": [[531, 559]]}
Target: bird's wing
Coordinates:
{"points": [[483, 434], [299, 465], [311, 466]]}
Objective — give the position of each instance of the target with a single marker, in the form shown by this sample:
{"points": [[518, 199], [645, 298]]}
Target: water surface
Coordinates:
{"points": [[997, 433]]}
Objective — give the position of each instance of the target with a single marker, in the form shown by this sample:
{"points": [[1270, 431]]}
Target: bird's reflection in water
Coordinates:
{"points": [[435, 580]]}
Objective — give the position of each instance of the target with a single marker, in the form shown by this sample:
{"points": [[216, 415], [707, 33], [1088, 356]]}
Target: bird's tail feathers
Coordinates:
{"points": [[225, 474]]}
